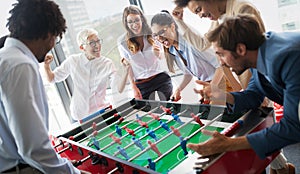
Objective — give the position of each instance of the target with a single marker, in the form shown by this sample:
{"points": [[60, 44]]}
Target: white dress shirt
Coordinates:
{"points": [[24, 113], [144, 63], [90, 80]]}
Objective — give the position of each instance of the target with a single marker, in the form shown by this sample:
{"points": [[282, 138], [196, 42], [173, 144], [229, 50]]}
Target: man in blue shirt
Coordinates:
{"points": [[274, 59]]}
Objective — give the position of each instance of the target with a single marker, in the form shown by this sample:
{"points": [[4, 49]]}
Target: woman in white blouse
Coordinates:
{"points": [[137, 48]]}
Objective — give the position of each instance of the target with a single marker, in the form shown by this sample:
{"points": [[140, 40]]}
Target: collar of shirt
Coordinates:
{"points": [[20, 45], [261, 64], [181, 46], [83, 59], [181, 43]]}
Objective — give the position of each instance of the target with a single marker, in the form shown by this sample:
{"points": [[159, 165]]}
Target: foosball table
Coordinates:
{"points": [[143, 136]]}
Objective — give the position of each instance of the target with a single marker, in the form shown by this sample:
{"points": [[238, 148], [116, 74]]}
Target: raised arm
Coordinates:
{"points": [[49, 73], [197, 40]]}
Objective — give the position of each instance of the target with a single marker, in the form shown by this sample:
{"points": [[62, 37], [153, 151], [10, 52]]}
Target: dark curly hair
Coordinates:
{"points": [[181, 3], [34, 19]]}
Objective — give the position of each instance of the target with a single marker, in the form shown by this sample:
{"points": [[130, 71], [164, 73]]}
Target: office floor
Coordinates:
{"points": [[292, 154]]}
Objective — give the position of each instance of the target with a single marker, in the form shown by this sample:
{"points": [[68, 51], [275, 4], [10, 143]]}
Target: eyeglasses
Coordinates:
{"points": [[94, 43], [57, 39], [160, 33], [136, 21]]}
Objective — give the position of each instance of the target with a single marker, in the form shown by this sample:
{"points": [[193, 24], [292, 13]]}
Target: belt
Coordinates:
{"points": [[140, 81], [13, 169]]}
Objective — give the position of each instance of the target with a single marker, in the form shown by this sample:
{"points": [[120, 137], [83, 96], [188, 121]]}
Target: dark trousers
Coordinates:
{"points": [[161, 83]]}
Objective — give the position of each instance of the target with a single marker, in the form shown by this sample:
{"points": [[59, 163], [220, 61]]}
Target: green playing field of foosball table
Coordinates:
{"points": [[157, 144]]}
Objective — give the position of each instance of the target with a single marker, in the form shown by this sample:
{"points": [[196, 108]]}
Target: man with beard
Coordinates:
{"points": [[274, 59], [24, 143]]}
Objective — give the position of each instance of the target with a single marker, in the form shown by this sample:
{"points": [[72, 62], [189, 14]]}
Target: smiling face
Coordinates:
{"points": [[134, 23], [92, 48], [164, 34], [237, 61], [207, 9]]}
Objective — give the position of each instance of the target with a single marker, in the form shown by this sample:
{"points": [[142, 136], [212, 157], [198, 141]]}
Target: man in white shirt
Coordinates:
{"points": [[90, 72], [24, 144]]}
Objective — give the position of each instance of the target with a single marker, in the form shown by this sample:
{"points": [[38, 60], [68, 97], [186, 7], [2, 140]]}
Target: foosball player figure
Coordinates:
{"points": [[94, 126], [129, 131], [166, 110], [123, 153], [151, 134], [176, 118], [154, 116], [138, 143], [95, 141], [118, 130], [154, 147], [197, 119], [164, 125], [121, 119], [176, 131], [138, 117], [115, 139], [151, 164], [183, 145], [143, 124]]}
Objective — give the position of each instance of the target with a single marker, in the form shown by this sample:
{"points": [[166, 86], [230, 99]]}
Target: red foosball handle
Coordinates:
{"points": [[232, 129]]}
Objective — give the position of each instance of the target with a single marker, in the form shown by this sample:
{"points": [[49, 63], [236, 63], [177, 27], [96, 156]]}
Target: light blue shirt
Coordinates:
{"points": [[201, 64], [24, 113]]}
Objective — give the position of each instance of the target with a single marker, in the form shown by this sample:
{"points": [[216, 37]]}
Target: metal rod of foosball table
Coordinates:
{"points": [[206, 125], [130, 144], [186, 138], [114, 123], [103, 121], [170, 133], [113, 170], [78, 163], [140, 153], [60, 143], [65, 149], [95, 114], [146, 149], [125, 134]]}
